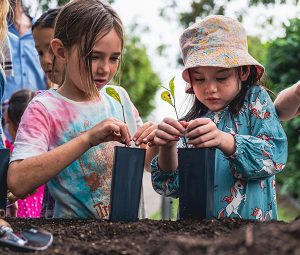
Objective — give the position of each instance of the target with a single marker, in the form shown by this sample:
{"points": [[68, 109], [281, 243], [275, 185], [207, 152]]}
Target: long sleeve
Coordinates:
{"points": [[165, 184], [263, 152]]}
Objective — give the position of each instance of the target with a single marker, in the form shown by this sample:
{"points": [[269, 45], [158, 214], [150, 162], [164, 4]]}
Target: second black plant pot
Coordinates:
{"points": [[196, 183], [126, 183], [4, 160]]}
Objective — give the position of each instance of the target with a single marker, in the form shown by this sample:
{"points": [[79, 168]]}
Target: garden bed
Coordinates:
{"points": [[226, 236]]}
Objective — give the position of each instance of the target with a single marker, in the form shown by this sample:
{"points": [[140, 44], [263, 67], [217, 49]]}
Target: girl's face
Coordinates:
{"points": [[42, 38], [105, 59], [216, 87]]}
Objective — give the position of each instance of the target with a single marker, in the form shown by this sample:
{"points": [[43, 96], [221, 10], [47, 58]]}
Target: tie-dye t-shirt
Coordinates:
{"points": [[81, 190]]}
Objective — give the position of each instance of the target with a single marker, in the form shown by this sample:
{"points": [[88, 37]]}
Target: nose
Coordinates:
{"points": [[211, 87], [103, 67], [47, 59]]}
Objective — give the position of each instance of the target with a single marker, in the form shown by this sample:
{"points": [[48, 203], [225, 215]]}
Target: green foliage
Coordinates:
{"points": [[138, 76], [282, 64], [284, 57], [257, 49], [200, 9], [45, 4]]}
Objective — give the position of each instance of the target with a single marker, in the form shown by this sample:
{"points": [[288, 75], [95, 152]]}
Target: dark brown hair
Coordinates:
{"points": [[17, 105], [81, 23], [47, 19], [198, 109]]}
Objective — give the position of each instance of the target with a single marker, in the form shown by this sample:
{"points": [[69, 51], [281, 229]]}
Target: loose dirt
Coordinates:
{"points": [[225, 236]]}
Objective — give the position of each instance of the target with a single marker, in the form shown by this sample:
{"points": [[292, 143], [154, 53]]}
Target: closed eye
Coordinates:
{"points": [[221, 78], [199, 79]]}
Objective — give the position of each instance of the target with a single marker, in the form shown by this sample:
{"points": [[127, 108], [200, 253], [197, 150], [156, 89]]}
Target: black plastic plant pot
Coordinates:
{"points": [[4, 160], [126, 184], [196, 183]]}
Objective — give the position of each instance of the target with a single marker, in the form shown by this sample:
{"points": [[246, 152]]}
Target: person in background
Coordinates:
{"points": [[287, 103], [28, 73], [230, 113], [3, 41], [66, 137], [43, 32], [29, 207]]}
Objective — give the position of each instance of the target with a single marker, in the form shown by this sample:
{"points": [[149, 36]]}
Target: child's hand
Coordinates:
{"points": [[107, 130], [145, 134], [203, 133], [169, 131]]}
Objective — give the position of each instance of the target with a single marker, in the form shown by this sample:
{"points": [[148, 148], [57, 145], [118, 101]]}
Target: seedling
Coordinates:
{"points": [[169, 96], [115, 95], [127, 177]]}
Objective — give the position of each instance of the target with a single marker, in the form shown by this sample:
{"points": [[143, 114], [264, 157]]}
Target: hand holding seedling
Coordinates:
{"points": [[107, 130], [145, 134], [203, 133], [168, 126], [169, 131]]}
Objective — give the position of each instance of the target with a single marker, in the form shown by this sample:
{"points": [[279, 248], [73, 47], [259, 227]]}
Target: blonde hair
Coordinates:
{"points": [[4, 8], [80, 23]]}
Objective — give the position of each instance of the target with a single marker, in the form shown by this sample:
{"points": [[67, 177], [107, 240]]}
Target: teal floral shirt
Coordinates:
{"points": [[245, 181]]}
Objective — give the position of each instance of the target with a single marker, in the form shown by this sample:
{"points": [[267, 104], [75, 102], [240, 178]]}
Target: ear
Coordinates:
{"points": [[245, 73], [59, 50]]}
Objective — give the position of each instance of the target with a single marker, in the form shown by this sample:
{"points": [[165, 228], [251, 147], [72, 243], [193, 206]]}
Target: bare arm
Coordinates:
{"points": [[287, 102], [26, 175]]}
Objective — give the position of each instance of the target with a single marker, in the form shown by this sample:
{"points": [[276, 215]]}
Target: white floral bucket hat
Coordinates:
{"points": [[215, 41]]}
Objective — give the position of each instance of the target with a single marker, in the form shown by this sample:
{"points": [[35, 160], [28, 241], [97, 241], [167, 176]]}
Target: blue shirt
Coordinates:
{"points": [[245, 181], [2, 82], [28, 73]]}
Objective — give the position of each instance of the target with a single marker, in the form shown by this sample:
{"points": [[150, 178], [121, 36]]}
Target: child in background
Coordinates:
{"points": [[29, 207], [43, 33], [67, 136], [230, 113], [287, 103]]}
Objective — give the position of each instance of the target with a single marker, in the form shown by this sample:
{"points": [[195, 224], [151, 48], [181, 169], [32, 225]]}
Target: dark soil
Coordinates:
{"points": [[226, 236]]}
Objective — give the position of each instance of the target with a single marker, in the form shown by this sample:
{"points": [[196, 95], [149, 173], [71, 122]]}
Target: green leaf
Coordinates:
{"points": [[172, 87], [166, 96], [114, 94]]}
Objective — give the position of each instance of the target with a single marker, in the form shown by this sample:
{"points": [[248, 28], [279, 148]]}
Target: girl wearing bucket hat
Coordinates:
{"points": [[230, 113]]}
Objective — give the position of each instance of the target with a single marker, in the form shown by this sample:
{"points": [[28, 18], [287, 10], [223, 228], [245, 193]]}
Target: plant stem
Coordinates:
{"points": [[184, 139], [123, 118]]}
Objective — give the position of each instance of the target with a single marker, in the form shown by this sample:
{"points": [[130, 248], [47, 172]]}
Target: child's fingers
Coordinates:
{"points": [[197, 122], [167, 128], [142, 136], [125, 134], [165, 136], [198, 131], [142, 129], [204, 141], [175, 124]]}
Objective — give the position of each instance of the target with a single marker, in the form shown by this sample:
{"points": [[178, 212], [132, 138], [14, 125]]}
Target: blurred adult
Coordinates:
{"points": [[4, 7], [28, 73]]}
